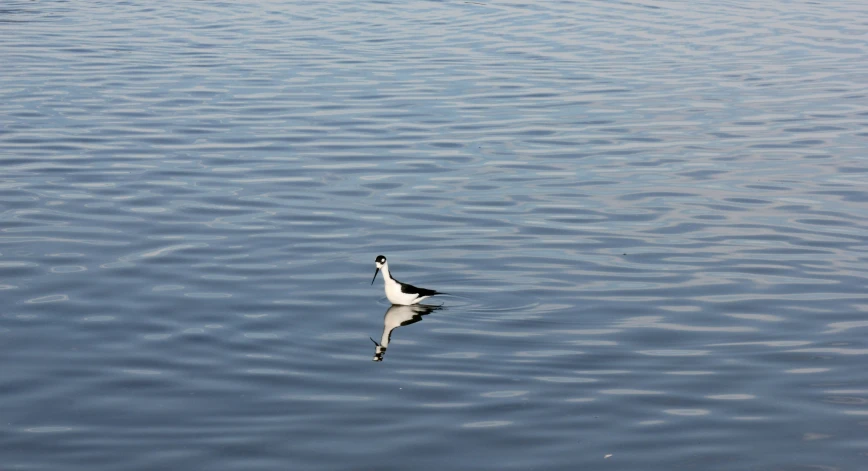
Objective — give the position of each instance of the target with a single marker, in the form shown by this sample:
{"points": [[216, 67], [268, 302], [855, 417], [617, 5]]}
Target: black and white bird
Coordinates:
{"points": [[400, 294]]}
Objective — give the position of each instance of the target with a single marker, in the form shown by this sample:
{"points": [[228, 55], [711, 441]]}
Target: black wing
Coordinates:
{"points": [[419, 292]]}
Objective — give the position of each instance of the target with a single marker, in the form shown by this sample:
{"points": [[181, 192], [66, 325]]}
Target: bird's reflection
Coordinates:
{"points": [[398, 316]]}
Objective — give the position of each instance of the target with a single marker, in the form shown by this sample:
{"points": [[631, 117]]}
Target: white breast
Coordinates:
{"points": [[396, 296]]}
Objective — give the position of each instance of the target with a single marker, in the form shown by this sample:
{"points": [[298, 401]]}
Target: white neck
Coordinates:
{"points": [[384, 339], [386, 275]]}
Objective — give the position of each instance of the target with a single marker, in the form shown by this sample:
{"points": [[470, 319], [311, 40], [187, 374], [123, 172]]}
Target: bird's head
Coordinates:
{"points": [[378, 262], [379, 351]]}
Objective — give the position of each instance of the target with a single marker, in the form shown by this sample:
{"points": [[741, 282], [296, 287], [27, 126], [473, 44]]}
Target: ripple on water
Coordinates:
{"points": [[68, 269], [487, 424], [687, 412], [48, 429], [504, 394], [54, 298]]}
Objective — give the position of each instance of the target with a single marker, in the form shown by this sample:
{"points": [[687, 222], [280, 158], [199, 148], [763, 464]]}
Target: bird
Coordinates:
{"points": [[400, 294], [399, 316]]}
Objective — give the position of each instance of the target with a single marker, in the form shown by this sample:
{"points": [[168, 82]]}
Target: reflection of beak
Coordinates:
{"points": [[375, 275], [375, 342]]}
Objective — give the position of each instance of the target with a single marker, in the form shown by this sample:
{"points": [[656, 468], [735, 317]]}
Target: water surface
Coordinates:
{"points": [[651, 216]]}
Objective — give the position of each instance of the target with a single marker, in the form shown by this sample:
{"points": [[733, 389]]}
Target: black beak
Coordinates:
{"points": [[375, 275], [375, 342]]}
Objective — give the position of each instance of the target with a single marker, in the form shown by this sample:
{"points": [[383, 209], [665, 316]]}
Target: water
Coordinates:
{"points": [[652, 218]]}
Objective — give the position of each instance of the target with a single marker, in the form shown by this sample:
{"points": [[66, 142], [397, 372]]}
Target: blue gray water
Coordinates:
{"points": [[652, 218]]}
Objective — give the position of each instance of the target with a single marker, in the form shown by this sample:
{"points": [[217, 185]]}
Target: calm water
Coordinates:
{"points": [[652, 216]]}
